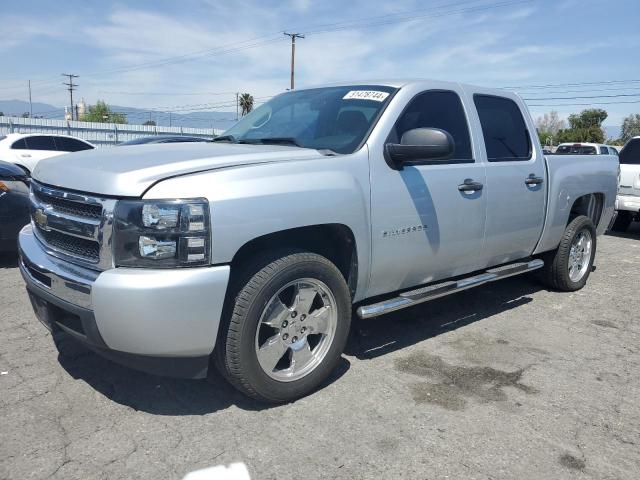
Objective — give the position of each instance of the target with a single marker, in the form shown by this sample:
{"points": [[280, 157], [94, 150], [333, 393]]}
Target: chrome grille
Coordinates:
{"points": [[73, 226]]}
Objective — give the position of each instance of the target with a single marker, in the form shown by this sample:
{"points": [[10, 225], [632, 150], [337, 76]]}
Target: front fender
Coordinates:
{"points": [[252, 201]]}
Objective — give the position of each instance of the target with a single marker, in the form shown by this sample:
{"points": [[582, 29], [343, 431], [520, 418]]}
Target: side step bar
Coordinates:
{"points": [[424, 294]]}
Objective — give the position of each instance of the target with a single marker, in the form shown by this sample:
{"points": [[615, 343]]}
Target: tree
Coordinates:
{"points": [[630, 128], [585, 126], [246, 103], [102, 113], [550, 123], [1, 114], [25, 115], [151, 123]]}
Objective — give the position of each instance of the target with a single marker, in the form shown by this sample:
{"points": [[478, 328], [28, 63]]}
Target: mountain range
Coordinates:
{"points": [[201, 119]]}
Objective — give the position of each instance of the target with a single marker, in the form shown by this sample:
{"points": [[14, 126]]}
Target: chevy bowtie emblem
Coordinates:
{"points": [[40, 218]]}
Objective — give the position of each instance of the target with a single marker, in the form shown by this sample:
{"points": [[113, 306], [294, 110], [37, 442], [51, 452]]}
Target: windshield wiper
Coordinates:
{"points": [[225, 138], [272, 141]]}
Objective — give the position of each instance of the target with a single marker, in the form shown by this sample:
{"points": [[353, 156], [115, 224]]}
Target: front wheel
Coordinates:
{"points": [[288, 328], [568, 267]]}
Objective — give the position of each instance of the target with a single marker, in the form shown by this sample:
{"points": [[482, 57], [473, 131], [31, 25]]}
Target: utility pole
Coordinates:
{"points": [[237, 105], [293, 54], [71, 86], [30, 104]]}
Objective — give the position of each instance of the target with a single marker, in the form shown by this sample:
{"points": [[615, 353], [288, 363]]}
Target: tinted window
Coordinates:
{"points": [[66, 144], [40, 143], [604, 151], [505, 134], [437, 109], [19, 145], [576, 150], [630, 154]]}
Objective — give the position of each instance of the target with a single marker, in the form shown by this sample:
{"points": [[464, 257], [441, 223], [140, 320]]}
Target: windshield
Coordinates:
{"points": [[333, 118]]}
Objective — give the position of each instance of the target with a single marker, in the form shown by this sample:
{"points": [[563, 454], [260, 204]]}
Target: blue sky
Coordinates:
{"points": [[194, 54]]}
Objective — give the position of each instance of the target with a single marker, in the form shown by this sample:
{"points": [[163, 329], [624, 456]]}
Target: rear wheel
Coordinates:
{"points": [[622, 221], [568, 267], [288, 326]]}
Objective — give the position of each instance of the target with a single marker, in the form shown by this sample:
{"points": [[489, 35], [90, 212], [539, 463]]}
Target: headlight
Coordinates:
{"points": [[161, 233]]}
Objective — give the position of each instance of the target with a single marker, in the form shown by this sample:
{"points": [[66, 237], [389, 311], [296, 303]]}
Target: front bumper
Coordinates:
{"points": [[163, 321], [629, 203]]}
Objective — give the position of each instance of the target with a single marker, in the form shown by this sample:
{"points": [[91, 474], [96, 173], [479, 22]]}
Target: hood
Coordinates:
{"points": [[130, 170]]}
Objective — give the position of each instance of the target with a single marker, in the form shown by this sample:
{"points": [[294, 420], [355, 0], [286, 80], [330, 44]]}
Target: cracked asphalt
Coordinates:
{"points": [[505, 381]]}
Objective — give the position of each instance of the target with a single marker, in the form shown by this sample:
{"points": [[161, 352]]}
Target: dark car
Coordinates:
{"points": [[164, 139], [14, 204]]}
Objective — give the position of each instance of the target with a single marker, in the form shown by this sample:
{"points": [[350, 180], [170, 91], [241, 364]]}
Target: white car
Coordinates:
{"points": [[628, 200], [27, 149], [582, 148]]}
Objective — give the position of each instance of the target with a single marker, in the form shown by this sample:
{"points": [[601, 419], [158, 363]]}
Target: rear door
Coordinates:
{"points": [[515, 189]]}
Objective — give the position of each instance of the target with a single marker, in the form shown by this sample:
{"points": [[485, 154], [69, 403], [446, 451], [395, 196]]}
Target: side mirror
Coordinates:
{"points": [[420, 144]]}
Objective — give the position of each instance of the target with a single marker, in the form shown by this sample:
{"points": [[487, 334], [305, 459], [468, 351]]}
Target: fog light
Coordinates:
{"points": [[160, 216], [151, 247]]}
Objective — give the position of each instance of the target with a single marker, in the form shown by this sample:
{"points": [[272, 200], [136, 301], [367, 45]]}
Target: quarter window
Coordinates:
{"points": [[505, 133], [437, 109], [604, 151], [19, 145]]}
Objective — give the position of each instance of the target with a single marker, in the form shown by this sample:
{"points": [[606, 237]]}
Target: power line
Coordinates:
{"points": [[580, 104], [553, 85]]}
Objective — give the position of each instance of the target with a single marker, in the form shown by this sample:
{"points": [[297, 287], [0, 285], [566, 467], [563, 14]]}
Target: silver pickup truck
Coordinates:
{"points": [[249, 253]]}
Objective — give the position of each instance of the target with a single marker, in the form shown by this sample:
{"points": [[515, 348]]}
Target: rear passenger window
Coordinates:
{"points": [[40, 143], [19, 145], [604, 151], [437, 109], [505, 134], [66, 144]]}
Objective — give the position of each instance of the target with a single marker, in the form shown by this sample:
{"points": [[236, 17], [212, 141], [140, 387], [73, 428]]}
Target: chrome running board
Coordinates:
{"points": [[431, 292]]}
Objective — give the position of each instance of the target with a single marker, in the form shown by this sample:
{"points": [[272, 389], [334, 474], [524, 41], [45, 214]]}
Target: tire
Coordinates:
{"points": [[622, 221], [556, 271], [269, 291]]}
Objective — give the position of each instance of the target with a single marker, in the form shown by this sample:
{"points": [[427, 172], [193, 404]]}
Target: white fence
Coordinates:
{"points": [[100, 134]]}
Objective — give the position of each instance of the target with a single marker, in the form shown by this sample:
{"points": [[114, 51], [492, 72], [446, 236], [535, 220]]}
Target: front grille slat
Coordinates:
{"points": [[71, 207], [72, 225], [80, 247]]}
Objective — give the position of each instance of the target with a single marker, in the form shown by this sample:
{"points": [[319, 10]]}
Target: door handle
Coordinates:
{"points": [[470, 185], [533, 180]]}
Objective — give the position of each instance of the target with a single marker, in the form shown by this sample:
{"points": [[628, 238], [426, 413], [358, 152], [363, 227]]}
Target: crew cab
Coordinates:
{"points": [[628, 201], [27, 149], [249, 253]]}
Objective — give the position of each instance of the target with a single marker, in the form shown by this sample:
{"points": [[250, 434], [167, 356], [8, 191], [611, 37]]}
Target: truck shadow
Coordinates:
{"points": [[369, 339], [8, 260], [379, 336], [155, 394], [632, 232]]}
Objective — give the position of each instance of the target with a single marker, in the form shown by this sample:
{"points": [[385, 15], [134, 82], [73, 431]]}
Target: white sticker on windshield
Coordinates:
{"points": [[374, 95]]}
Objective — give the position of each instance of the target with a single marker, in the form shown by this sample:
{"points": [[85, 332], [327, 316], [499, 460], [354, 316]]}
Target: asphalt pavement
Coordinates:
{"points": [[507, 381]]}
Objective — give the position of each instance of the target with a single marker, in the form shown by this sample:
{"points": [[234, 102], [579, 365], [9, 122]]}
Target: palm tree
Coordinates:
{"points": [[246, 103]]}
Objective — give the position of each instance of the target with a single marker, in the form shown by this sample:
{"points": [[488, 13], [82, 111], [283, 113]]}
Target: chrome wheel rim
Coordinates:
{"points": [[580, 255], [296, 329]]}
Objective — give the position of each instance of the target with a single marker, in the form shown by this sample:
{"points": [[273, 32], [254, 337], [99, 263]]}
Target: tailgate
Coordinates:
{"points": [[629, 180]]}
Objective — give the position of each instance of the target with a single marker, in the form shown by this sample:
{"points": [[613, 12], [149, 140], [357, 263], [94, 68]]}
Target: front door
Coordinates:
{"points": [[426, 224]]}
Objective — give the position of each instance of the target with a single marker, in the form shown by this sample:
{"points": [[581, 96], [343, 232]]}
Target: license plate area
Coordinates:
{"points": [[42, 311]]}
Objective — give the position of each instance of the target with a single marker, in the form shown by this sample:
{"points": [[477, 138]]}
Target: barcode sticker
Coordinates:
{"points": [[374, 95]]}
